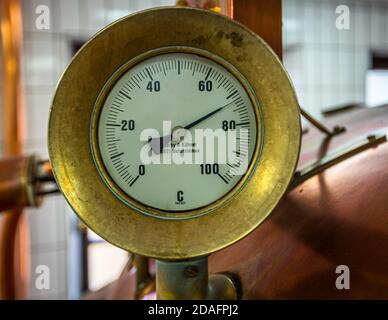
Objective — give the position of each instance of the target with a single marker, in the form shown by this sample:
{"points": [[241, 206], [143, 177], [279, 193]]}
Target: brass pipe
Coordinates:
{"points": [[144, 280], [189, 280], [181, 280]]}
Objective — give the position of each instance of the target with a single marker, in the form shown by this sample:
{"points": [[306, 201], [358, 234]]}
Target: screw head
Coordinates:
{"points": [[191, 271]]}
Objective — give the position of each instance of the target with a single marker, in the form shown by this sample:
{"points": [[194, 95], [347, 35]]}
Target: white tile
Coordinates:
{"points": [[294, 64], [329, 98], [62, 273], [378, 25], [329, 59], [362, 24], [327, 30], [30, 14], [92, 13], [159, 3], [346, 36], [37, 147], [362, 64], [345, 67], [55, 262], [314, 103], [298, 90], [312, 62], [359, 94], [62, 56], [117, 9], [386, 24], [69, 18], [37, 113], [44, 223], [304, 99], [63, 219], [310, 22], [38, 62], [292, 22], [145, 4], [342, 97], [106, 263]]}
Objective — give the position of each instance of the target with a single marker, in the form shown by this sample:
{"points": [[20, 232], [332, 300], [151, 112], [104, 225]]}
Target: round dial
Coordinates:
{"points": [[177, 132]]}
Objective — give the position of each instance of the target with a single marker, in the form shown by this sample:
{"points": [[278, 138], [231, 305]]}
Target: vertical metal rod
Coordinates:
{"points": [[143, 276]]}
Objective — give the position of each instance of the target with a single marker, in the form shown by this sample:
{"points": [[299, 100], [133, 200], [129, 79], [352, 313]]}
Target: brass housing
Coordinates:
{"points": [[71, 120], [138, 205]]}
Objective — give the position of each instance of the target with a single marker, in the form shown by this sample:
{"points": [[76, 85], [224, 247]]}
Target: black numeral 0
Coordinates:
{"points": [[205, 85], [141, 170], [127, 125], [210, 168], [153, 86], [228, 125]]}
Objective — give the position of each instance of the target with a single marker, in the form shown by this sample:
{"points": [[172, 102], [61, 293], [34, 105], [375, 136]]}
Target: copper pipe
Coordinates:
{"points": [[220, 6], [24, 180], [14, 257], [263, 18], [14, 173]]}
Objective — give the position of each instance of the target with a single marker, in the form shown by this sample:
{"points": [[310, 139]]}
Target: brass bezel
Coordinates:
{"points": [[70, 121], [137, 205]]}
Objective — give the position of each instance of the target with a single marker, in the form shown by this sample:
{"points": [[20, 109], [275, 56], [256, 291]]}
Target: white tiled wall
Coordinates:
{"points": [[328, 65], [45, 55]]}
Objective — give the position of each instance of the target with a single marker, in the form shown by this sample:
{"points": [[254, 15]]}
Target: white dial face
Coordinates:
{"points": [[177, 132]]}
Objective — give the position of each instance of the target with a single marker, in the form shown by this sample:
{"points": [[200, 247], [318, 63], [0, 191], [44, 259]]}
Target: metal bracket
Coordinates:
{"points": [[337, 156], [144, 280], [189, 280], [320, 126]]}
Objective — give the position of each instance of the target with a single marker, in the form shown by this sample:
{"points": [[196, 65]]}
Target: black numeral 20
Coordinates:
{"points": [[127, 125]]}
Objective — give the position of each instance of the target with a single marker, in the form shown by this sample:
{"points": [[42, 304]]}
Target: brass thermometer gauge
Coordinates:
{"points": [[174, 132], [188, 93]]}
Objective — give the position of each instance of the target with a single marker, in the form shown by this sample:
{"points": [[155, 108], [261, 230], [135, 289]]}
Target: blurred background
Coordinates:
{"points": [[329, 67]]}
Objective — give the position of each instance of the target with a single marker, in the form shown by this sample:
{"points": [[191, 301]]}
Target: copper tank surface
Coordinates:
{"points": [[339, 217]]}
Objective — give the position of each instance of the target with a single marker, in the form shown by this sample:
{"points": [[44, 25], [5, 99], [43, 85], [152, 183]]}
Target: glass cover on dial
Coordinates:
{"points": [[177, 132]]}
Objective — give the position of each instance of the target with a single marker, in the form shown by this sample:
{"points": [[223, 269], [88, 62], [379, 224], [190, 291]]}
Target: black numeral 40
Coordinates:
{"points": [[153, 86]]}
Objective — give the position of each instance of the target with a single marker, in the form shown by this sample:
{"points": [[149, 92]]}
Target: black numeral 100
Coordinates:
{"points": [[210, 168]]}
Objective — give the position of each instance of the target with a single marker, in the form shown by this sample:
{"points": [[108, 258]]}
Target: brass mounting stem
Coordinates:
{"points": [[320, 126], [189, 280]]}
